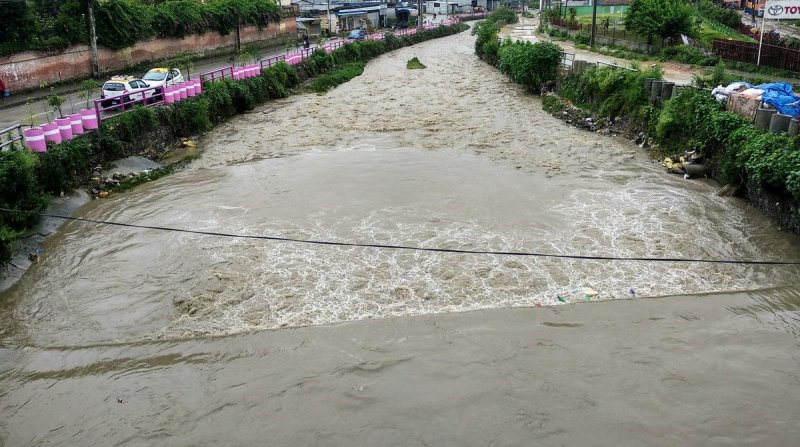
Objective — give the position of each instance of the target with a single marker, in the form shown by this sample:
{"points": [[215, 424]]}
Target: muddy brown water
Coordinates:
{"points": [[122, 336]]}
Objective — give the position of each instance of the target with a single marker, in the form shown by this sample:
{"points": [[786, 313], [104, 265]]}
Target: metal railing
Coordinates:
{"points": [[567, 60], [151, 96], [220, 73], [11, 135], [606, 64]]}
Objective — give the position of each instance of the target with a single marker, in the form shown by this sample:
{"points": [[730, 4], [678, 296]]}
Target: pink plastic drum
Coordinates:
{"points": [[64, 128], [75, 123], [89, 119], [51, 133], [34, 139]]}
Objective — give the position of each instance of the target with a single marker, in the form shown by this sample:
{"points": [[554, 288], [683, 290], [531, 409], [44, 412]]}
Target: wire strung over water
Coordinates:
{"points": [[407, 247]]}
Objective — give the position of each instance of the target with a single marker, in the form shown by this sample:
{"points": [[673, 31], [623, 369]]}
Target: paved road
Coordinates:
{"points": [[76, 100]]}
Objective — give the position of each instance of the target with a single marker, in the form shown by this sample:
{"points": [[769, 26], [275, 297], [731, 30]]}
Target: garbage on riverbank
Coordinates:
{"points": [[577, 294], [689, 165]]}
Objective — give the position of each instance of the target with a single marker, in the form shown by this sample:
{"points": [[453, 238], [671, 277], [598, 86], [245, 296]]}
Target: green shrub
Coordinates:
{"points": [[340, 75], [582, 38], [129, 127], [279, 79], [612, 91], [190, 116], [552, 103], [503, 16], [688, 55], [220, 102], [65, 164], [415, 64], [346, 54], [486, 45], [319, 62], [725, 16], [532, 65], [19, 189]]}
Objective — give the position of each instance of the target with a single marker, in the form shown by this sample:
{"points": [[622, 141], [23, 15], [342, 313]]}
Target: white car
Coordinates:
{"points": [[159, 77], [131, 87]]}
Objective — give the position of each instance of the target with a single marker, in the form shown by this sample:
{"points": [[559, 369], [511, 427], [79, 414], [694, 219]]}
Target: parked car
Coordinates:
{"points": [[159, 77], [119, 85], [357, 34]]}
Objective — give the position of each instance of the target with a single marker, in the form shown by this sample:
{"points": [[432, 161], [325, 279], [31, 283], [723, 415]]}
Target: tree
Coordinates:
{"points": [[88, 87], [663, 18], [19, 23]]}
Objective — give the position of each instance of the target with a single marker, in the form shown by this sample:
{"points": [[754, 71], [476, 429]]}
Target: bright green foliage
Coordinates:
{"points": [[531, 65], [415, 64], [19, 23], [122, 23], [63, 164], [129, 127], [688, 55], [612, 91], [662, 18], [693, 120], [552, 103], [725, 16], [486, 45], [19, 189], [179, 18], [340, 75], [88, 87], [319, 62]]}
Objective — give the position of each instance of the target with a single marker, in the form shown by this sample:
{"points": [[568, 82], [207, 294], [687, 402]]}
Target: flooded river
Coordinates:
{"points": [[124, 336]]}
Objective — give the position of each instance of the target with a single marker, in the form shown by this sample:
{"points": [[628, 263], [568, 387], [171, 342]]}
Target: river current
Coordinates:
{"points": [[453, 156]]}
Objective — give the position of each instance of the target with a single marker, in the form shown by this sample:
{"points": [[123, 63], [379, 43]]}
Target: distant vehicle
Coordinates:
{"points": [[357, 34], [159, 77], [118, 85], [403, 16]]}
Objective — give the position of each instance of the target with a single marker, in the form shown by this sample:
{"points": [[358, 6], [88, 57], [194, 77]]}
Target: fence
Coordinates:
{"points": [[11, 135], [610, 32], [771, 55]]}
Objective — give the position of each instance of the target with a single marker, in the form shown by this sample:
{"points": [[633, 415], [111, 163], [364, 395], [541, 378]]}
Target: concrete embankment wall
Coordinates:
{"points": [[31, 69]]}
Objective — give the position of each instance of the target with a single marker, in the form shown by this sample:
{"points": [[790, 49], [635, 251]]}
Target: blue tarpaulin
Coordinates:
{"points": [[779, 95]]}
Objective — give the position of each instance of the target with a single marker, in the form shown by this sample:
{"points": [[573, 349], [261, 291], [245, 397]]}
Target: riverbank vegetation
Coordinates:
{"points": [[763, 167], [28, 180]]}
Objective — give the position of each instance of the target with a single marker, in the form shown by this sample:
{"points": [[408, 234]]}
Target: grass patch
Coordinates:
{"points": [[339, 75], [415, 64]]}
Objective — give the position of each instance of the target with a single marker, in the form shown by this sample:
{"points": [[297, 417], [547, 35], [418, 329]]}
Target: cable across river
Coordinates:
{"points": [[410, 248]]}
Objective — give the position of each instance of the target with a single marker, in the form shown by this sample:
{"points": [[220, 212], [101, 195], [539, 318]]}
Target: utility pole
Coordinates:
{"points": [[238, 32], [93, 42], [419, 14], [594, 22], [329, 19]]}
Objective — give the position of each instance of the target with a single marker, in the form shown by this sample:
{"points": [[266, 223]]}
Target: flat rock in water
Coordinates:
{"points": [[131, 164]]}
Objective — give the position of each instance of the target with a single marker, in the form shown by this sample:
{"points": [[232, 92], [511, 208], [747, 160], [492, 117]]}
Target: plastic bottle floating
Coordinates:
{"points": [[578, 294]]}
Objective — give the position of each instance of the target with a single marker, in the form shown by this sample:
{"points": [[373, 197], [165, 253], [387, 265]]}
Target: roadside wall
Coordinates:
{"points": [[30, 69]]}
